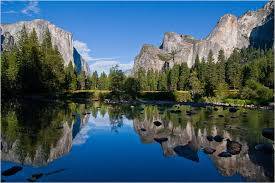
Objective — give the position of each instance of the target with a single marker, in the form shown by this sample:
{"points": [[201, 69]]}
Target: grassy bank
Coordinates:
{"points": [[232, 97]]}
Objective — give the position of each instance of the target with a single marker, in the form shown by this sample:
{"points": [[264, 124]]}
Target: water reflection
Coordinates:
{"points": [[38, 133]]}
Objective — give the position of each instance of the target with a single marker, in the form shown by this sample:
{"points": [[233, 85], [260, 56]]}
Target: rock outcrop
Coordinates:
{"points": [[60, 38], [255, 28]]}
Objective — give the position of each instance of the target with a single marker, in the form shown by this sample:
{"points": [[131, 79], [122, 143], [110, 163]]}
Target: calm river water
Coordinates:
{"points": [[96, 142]]}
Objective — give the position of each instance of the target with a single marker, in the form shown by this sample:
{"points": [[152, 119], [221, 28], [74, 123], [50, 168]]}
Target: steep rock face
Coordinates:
{"points": [[254, 28], [79, 62], [60, 38]]}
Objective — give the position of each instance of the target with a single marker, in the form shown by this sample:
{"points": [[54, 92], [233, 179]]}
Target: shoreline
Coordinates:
{"points": [[139, 102]]}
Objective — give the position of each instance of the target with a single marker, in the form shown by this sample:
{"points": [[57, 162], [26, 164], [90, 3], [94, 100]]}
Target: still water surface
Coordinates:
{"points": [[96, 142]]}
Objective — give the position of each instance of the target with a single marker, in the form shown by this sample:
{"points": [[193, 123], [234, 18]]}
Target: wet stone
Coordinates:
{"points": [[160, 140], [233, 109], [208, 150], [210, 138], [266, 148], [11, 171], [157, 123], [233, 147], [218, 138], [224, 154], [268, 133]]}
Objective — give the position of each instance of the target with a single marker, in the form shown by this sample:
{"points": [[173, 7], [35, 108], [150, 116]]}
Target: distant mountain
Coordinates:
{"points": [[61, 38], [254, 28]]}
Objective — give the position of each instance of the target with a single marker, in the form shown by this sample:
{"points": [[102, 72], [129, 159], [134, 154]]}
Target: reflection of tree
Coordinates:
{"points": [[33, 127]]}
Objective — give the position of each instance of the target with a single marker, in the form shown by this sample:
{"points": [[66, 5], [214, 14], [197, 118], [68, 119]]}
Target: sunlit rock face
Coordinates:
{"points": [[60, 38], [254, 28], [195, 138]]}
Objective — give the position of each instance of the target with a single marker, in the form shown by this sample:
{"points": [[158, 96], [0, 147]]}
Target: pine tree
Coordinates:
{"points": [[233, 70], [197, 63], [174, 77], [163, 82], [94, 80], [221, 67], [211, 77], [184, 77]]}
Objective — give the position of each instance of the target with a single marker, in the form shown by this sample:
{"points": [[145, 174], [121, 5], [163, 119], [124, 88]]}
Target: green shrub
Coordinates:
{"points": [[182, 96], [256, 91], [156, 95]]}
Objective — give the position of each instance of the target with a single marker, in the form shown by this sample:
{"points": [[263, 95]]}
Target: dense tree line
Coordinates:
{"points": [[31, 67], [249, 70]]}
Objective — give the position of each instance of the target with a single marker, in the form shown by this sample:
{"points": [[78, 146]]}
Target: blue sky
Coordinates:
{"points": [[108, 33]]}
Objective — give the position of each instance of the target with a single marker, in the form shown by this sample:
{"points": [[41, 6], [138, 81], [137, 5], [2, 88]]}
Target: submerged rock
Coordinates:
{"points": [[224, 154], [11, 171], [191, 112], [175, 111], [157, 123], [266, 148], [233, 109], [233, 147], [208, 150], [143, 129], [221, 116], [187, 152], [210, 138], [160, 140], [268, 133], [218, 138], [34, 177], [216, 109]]}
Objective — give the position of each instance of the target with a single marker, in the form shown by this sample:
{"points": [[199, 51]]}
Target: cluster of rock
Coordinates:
{"points": [[60, 38], [230, 156], [254, 28]]}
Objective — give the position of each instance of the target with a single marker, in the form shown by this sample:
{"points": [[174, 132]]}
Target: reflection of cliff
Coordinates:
{"points": [[195, 138], [43, 150]]}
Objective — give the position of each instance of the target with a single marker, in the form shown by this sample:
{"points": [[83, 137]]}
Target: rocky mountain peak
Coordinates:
{"points": [[60, 38], [254, 28]]}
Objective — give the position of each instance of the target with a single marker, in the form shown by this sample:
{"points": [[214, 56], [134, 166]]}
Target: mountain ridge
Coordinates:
{"points": [[229, 33], [60, 38]]}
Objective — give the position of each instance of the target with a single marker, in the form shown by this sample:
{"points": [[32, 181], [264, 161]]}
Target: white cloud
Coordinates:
{"points": [[83, 49], [105, 65], [31, 8], [99, 64]]}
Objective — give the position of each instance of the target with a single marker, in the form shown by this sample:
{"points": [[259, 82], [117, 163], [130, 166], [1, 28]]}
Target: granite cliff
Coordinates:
{"points": [[60, 38], [254, 28]]}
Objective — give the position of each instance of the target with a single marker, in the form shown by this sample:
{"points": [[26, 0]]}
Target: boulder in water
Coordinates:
{"points": [[11, 171], [208, 150], [34, 177], [224, 154], [268, 133], [143, 129], [216, 109], [221, 116], [233, 147], [187, 152], [210, 138], [218, 138], [160, 140], [233, 109], [266, 148], [157, 123]]}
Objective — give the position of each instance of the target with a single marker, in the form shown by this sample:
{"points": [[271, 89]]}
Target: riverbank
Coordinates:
{"points": [[156, 98]]}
